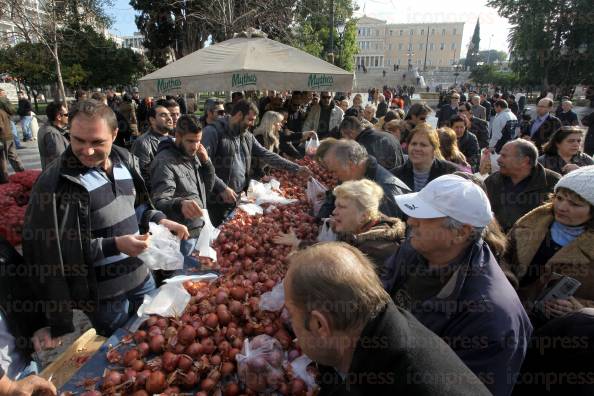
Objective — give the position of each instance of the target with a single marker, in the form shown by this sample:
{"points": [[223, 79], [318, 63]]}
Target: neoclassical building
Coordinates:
{"points": [[395, 46]]}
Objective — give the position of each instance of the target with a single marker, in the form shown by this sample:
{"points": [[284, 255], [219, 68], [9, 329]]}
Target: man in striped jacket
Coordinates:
{"points": [[84, 229]]}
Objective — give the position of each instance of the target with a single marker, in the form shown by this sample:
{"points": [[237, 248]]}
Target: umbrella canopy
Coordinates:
{"points": [[242, 64]]}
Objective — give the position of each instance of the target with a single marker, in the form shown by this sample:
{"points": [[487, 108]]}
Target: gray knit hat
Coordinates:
{"points": [[580, 181]]}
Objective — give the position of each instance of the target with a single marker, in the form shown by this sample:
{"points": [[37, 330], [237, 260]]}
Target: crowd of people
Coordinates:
{"points": [[451, 242]]}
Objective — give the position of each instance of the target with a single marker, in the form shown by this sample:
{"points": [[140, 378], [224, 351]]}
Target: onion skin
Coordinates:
{"points": [[156, 382]]}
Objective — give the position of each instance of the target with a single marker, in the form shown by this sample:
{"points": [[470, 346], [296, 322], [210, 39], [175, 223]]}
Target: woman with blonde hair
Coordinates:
{"points": [[267, 133], [425, 161], [357, 220], [448, 144]]}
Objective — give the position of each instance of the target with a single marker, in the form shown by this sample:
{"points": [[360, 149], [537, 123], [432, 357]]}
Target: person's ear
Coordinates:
{"points": [[319, 325], [115, 135], [463, 234]]}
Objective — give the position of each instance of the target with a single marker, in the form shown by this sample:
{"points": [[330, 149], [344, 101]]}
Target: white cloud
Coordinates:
{"points": [[428, 11]]}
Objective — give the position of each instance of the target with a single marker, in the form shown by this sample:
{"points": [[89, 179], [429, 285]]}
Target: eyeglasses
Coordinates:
{"points": [[221, 112]]}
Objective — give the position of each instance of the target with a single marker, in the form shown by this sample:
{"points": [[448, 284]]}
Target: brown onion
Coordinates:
{"points": [[157, 343], [156, 382], [186, 335]]}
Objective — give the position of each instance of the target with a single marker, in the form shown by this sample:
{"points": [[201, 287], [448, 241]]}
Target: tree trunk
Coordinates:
{"points": [[61, 90]]}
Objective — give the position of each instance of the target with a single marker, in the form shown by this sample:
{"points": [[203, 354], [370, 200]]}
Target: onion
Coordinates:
{"points": [[227, 368], [170, 332], [186, 335], [222, 297], [207, 384], [231, 389], [298, 387], [202, 331], [232, 353], [163, 323], [224, 317], [111, 379], [137, 365], [184, 362], [155, 383], [195, 350], [215, 360], [157, 343], [140, 392], [143, 348], [190, 379], [211, 321], [130, 356], [238, 293], [170, 361], [154, 330], [151, 321], [139, 336], [236, 308], [208, 345]]}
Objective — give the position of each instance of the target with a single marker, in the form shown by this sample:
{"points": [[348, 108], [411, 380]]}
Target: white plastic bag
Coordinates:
{"points": [[274, 300], [163, 251], [326, 234], [171, 300], [316, 194], [312, 144], [260, 364], [260, 193], [208, 234], [299, 367]]}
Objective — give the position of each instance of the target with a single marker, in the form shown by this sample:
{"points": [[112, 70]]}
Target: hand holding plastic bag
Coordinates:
{"points": [[316, 194], [208, 234], [312, 144], [163, 252], [260, 365]]}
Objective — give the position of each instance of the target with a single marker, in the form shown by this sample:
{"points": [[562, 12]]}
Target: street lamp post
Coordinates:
{"points": [[341, 29]]}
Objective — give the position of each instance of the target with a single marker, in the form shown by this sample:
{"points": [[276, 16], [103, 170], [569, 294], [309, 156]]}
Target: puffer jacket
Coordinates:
{"points": [[175, 177], [145, 148], [575, 259], [384, 146]]}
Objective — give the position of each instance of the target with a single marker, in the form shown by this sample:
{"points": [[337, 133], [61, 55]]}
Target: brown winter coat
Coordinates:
{"points": [[379, 242], [6, 110], [575, 260]]}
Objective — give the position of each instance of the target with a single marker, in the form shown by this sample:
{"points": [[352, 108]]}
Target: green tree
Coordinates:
{"points": [[550, 41], [491, 56]]}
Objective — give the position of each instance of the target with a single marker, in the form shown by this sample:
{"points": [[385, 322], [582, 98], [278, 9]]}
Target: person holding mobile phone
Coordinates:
{"points": [[557, 237]]}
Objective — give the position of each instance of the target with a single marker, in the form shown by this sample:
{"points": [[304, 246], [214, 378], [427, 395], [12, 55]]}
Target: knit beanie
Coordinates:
{"points": [[580, 181]]}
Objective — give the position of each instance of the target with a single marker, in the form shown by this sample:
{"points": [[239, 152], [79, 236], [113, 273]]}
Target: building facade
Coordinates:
{"points": [[417, 46], [134, 42]]}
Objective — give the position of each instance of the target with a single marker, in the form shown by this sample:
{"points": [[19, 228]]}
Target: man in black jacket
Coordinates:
{"points": [[487, 105], [83, 229], [181, 177], [349, 160], [384, 146], [363, 343], [448, 110], [145, 147], [545, 124], [231, 146]]}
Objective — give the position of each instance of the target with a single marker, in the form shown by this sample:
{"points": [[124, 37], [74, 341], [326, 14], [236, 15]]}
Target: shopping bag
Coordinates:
{"points": [[163, 252]]}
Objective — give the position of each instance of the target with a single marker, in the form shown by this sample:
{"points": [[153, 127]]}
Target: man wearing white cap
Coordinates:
{"points": [[446, 275]]}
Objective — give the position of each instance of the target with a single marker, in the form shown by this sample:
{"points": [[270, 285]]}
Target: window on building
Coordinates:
{"points": [[431, 47], [401, 32], [412, 31], [453, 46], [400, 46], [410, 47], [377, 32], [455, 31], [391, 32], [422, 32], [390, 47], [419, 62], [358, 32], [398, 63], [443, 32], [442, 46], [421, 46], [376, 59], [433, 32]]}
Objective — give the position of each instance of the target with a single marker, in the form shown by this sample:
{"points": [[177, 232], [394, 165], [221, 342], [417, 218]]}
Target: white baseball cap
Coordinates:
{"points": [[449, 196]]}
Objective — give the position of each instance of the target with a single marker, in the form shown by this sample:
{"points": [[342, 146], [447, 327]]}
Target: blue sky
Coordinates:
{"points": [[494, 29]]}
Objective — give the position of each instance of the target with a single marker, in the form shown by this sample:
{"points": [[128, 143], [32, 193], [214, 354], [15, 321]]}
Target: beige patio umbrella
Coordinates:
{"points": [[246, 63]]}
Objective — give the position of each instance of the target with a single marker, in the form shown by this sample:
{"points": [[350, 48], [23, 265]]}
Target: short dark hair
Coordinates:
{"points": [[352, 112], [211, 103], [526, 148], [94, 109], [466, 105], [501, 103], [417, 110], [351, 123], [244, 107], [99, 96], [391, 115], [237, 94], [152, 113], [171, 103], [456, 118], [188, 123], [52, 110], [550, 147]]}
